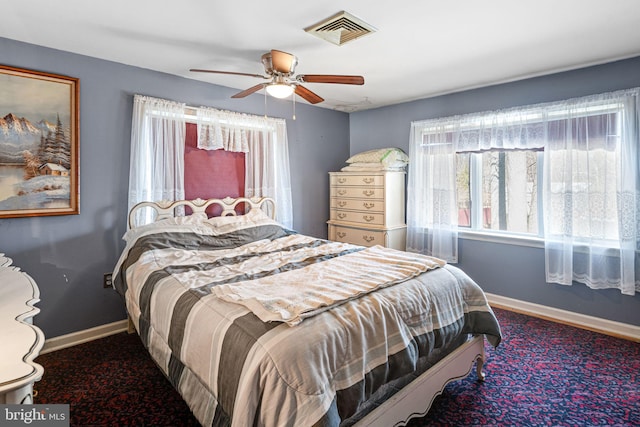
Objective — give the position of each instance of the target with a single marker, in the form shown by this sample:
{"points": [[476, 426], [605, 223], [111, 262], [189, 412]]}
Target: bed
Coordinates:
{"points": [[256, 324]]}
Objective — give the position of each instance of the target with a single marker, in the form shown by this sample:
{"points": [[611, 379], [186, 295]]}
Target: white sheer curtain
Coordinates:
{"points": [[267, 169], [264, 140], [157, 152], [432, 215], [591, 192], [591, 179], [158, 131]]}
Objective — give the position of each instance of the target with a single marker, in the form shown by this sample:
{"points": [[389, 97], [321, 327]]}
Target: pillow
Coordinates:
{"points": [[195, 222], [253, 218], [387, 156], [198, 223]]}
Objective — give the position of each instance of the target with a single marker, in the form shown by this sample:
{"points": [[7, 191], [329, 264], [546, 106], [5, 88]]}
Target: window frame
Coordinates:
{"points": [[475, 197], [476, 231]]}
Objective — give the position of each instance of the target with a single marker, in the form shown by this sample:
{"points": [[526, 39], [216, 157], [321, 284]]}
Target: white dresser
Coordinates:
{"points": [[21, 340], [367, 208]]}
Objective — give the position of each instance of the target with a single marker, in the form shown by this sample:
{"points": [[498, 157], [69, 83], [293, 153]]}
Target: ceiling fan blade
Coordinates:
{"points": [[283, 62], [306, 94], [329, 78], [249, 91], [197, 70]]}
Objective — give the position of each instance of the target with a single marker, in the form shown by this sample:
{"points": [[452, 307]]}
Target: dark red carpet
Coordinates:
{"points": [[543, 374]]}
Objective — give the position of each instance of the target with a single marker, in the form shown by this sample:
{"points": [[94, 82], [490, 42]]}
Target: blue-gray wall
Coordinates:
{"points": [[508, 270], [67, 255]]}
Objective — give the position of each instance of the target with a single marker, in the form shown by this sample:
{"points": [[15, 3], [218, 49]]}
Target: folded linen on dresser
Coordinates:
{"points": [[386, 156], [372, 167], [289, 297]]}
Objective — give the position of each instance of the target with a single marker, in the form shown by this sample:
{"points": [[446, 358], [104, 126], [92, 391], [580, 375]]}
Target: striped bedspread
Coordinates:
{"points": [[192, 284]]}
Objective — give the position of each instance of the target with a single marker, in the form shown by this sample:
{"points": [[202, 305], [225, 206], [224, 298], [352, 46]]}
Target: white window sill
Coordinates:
{"points": [[505, 239]]}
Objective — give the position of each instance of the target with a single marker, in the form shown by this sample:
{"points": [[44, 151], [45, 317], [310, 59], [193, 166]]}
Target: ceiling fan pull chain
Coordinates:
{"points": [[265, 104], [294, 105]]}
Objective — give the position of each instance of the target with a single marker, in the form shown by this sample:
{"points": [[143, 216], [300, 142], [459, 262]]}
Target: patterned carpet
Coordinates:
{"points": [[543, 374]]}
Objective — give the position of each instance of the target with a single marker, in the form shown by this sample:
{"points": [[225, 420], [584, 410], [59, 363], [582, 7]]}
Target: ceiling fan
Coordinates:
{"points": [[280, 67]]}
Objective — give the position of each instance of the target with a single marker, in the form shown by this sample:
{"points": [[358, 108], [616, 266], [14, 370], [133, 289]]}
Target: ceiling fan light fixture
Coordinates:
{"points": [[280, 90], [279, 68]]}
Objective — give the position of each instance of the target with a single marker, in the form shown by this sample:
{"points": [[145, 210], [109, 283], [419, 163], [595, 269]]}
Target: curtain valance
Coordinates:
{"points": [[530, 127], [228, 130]]}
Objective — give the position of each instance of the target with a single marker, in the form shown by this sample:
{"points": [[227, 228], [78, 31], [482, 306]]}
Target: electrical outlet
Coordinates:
{"points": [[107, 280]]}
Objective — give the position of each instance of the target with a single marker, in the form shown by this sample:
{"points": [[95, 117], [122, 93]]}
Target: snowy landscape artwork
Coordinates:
{"points": [[38, 143]]}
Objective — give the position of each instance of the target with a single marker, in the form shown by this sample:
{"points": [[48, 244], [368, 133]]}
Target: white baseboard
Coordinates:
{"points": [[75, 338], [608, 327]]}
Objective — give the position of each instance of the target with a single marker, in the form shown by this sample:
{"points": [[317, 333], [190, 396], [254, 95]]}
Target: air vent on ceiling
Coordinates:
{"points": [[340, 28]]}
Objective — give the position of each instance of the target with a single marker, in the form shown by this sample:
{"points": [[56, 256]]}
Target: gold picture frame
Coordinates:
{"points": [[39, 129]]}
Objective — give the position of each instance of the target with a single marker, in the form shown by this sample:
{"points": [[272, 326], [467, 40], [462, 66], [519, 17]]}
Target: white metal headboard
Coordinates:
{"points": [[169, 209]]}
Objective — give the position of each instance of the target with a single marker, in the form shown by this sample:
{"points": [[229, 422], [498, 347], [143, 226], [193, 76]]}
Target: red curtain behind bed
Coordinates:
{"points": [[211, 173]]}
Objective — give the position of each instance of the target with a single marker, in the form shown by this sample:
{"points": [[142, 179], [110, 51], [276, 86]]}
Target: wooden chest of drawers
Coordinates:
{"points": [[368, 208]]}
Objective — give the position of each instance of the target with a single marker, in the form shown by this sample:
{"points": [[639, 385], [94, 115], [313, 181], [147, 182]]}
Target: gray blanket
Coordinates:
{"points": [[234, 369]]}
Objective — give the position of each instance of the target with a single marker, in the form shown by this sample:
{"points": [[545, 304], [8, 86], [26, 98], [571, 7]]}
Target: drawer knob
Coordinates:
{"points": [[342, 203], [342, 180], [368, 193], [342, 215], [368, 239], [368, 218], [368, 180], [342, 192], [368, 205], [341, 234]]}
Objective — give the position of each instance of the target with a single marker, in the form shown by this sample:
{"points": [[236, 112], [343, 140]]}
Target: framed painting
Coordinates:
{"points": [[38, 143]]}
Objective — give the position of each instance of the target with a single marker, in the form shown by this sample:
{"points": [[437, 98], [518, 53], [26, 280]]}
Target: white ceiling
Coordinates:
{"points": [[421, 48]]}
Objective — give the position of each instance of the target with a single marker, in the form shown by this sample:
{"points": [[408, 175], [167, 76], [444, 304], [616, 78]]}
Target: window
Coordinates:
{"points": [[567, 172], [498, 190], [158, 152]]}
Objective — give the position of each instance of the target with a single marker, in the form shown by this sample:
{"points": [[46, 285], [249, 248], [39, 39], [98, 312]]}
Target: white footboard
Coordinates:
{"points": [[416, 398]]}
